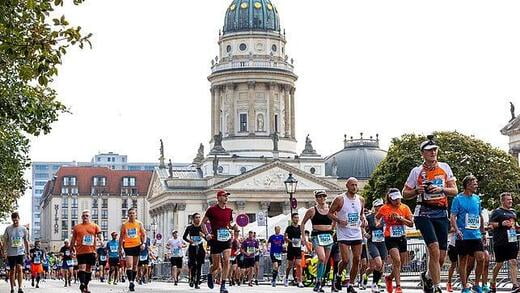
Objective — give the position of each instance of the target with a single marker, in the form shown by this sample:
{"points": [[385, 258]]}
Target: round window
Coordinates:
{"points": [[313, 170], [228, 48], [243, 170], [243, 47], [220, 169], [244, 5], [274, 48]]}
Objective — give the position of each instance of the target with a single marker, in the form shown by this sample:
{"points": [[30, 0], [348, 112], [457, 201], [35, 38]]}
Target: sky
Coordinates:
{"points": [[386, 67]]}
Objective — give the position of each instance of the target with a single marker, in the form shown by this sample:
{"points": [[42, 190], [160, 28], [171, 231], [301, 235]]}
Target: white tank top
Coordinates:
{"points": [[350, 212]]}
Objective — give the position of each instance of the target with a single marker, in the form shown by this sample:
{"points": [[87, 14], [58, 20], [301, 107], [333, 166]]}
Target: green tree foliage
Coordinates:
{"points": [[32, 44], [496, 170]]}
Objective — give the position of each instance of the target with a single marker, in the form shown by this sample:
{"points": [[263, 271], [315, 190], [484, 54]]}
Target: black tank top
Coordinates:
{"points": [[319, 219]]}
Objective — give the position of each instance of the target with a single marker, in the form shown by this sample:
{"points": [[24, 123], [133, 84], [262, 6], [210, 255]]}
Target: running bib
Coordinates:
{"points": [[438, 182], [396, 231], [251, 250], [377, 236], [103, 258], [277, 256], [67, 252], [88, 240], [113, 248], [37, 260], [69, 263], [232, 258], [296, 242], [353, 219], [511, 235], [177, 252], [143, 257], [472, 222], [196, 240], [132, 232], [16, 242], [223, 235], [324, 239]]}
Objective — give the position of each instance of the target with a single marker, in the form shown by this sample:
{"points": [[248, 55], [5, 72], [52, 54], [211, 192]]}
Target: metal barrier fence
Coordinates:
{"points": [[417, 263]]}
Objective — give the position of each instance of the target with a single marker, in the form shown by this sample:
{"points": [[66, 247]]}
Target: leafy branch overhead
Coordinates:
{"points": [[496, 170], [32, 45]]}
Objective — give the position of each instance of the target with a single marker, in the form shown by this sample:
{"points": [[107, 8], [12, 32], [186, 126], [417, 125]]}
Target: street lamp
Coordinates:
{"points": [[153, 226], [290, 188]]}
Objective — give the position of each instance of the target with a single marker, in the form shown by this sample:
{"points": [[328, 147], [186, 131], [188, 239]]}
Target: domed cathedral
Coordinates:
{"points": [[252, 143]]}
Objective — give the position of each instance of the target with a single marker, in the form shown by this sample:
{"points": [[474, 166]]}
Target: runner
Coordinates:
{"points": [[363, 264], [431, 183], [113, 259], [220, 218], [66, 265], [144, 260], [505, 241], [234, 275], [395, 216], [275, 247], [132, 242], [249, 248], [102, 261], [468, 223], [84, 242], [37, 256], [293, 235], [16, 247], [376, 244], [453, 255], [257, 258], [347, 211], [196, 252], [321, 234], [175, 246]]}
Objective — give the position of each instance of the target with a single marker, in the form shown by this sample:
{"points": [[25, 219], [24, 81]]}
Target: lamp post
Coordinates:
{"points": [[153, 226], [290, 188]]}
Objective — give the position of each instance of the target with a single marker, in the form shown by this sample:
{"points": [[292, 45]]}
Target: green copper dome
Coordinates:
{"points": [[251, 15]]}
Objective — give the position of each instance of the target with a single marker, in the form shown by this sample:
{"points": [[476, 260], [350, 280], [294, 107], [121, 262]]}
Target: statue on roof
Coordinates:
{"points": [[309, 150], [161, 157], [334, 167], [170, 169], [512, 109], [215, 165], [276, 138], [200, 155], [217, 144]]}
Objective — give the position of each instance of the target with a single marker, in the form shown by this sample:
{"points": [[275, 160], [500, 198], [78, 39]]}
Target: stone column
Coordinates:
{"points": [[240, 205], [218, 107], [181, 216], [230, 92], [214, 113], [270, 107], [287, 106], [251, 119], [286, 207], [293, 116]]}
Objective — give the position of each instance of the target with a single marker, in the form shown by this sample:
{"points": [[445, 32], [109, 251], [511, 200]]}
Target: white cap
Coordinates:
{"points": [[377, 202], [395, 195]]}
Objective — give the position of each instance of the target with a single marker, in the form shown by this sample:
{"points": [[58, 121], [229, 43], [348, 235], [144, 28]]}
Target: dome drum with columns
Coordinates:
{"points": [[252, 133]]}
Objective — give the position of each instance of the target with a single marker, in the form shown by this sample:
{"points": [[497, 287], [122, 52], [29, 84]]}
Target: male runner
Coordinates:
{"points": [[132, 241], [293, 237], [16, 247]]}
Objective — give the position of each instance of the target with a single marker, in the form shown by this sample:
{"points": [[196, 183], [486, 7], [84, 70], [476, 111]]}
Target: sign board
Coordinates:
{"points": [[261, 219], [242, 220], [158, 236], [294, 203]]}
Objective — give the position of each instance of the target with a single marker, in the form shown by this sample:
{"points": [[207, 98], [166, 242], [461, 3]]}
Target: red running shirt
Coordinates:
{"points": [[219, 218]]}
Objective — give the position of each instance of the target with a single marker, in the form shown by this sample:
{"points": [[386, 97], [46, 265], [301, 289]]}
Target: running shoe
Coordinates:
{"points": [[350, 289], [449, 288], [375, 288], [493, 288], [315, 289], [485, 288], [437, 289], [131, 287], [466, 290], [427, 283], [389, 285], [210, 281], [273, 282], [477, 289], [398, 289], [300, 285], [285, 282], [516, 289], [256, 282], [337, 281], [223, 289]]}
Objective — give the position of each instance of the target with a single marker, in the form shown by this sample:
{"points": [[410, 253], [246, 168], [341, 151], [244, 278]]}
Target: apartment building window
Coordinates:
{"points": [[124, 203], [64, 202], [64, 224], [252, 217], [128, 181], [74, 191], [134, 203], [95, 203], [95, 213], [105, 234], [40, 183], [104, 214], [104, 203], [123, 214], [41, 167], [64, 235], [243, 122], [99, 181], [64, 213], [73, 223], [64, 190], [74, 213], [41, 176], [108, 159], [96, 222], [104, 225], [74, 203], [38, 191]]}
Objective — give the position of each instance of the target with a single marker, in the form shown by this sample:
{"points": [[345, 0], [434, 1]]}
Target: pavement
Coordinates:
{"points": [[409, 285]]}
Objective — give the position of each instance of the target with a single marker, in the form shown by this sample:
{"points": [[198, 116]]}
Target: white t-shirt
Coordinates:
{"points": [[175, 247]]}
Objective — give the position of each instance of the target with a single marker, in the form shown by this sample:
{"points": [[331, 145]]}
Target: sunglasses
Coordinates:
{"points": [[85, 216]]}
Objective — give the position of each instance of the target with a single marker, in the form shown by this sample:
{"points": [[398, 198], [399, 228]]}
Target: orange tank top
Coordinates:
{"points": [[131, 233]]}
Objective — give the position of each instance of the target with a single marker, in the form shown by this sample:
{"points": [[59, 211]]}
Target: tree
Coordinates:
{"points": [[495, 170], [32, 44]]}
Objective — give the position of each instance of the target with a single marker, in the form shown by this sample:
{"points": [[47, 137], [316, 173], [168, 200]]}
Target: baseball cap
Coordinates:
{"points": [[428, 144], [319, 193], [377, 202], [395, 195], [222, 193]]}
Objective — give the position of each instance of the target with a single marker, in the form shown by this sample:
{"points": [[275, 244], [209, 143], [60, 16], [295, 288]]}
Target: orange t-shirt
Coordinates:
{"points": [[85, 237], [386, 212], [131, 234]]}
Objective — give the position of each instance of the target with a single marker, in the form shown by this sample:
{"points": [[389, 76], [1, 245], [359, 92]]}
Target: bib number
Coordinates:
{"points": [[113, 248], [88, 240], [251, 250], [277, 256], [103, 258], [143, 257], [67, 252], [353, 220], [472, 222], [396, 231], [37, 260], [296, 242], [196, 240], [132, 233], [324, 239], [438, 182], [16, 242], [69, 263], [232, 258], [177, 252], [511, 235], [377, 236], [223, 235]]}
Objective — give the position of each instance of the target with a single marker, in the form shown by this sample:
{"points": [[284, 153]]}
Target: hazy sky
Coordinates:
{"points": [[386, 67]]}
